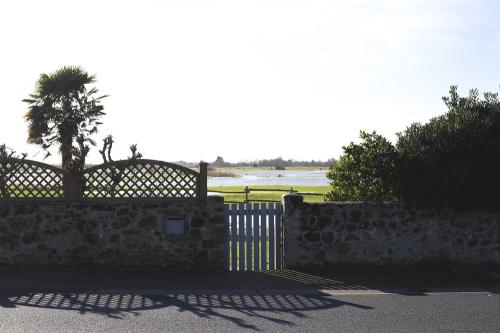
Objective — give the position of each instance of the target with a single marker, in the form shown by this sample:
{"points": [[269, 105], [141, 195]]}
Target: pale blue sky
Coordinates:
{"points": [[250, 79]]}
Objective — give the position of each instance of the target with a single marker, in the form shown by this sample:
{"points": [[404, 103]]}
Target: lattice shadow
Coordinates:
{"points": [[115, 305]]}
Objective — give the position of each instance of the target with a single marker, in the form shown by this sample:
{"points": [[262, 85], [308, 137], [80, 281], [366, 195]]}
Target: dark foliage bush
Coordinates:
{"points": [[454, 159]]}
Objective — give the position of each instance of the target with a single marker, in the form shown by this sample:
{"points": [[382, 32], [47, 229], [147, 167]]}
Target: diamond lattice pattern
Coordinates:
{"points": [[24, 179], [139, 180]]}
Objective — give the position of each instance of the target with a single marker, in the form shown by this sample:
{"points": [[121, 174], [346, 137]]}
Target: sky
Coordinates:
{"points": [[191, 80]]}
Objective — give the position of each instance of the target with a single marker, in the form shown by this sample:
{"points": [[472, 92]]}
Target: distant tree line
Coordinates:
{"points": [[452, 161], [278, 162]]}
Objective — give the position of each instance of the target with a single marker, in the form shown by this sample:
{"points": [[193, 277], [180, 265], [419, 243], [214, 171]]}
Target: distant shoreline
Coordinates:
{"points": [[214, 172], [233, 171]]}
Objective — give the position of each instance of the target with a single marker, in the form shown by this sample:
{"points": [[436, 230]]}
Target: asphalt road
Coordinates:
{"points": [[334, 311]]}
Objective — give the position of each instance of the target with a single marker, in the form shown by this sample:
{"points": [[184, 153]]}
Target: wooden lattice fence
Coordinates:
{"points": [[126, 179], [21, 178], [140, 179]]}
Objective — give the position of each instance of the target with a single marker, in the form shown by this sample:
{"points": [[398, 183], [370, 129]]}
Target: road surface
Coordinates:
{"points": [[330, 311]]}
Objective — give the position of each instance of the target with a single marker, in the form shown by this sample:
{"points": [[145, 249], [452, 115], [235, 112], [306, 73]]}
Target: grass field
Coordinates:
{"points": [[319, 191]]}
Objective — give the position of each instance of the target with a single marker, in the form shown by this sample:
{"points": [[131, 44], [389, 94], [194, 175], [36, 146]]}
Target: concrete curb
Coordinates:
{"points": [[260, 292]]}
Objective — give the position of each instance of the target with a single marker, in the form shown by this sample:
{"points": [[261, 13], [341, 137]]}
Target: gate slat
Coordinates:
{"points": [[256, 238], [234, 255], [279, 243], [241, 236], [248, 229], [263, 237], [272, 252], [226, 224]]}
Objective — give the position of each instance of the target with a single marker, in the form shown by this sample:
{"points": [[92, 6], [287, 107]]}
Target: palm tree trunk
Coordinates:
{"points": [[66, 147]]}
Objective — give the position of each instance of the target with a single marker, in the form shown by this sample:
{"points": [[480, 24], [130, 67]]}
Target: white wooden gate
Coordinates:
{"points": [[254, 237]]}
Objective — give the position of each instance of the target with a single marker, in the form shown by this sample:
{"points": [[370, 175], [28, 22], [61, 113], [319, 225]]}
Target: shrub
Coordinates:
{"points": [[454, 159], [366, 171]]}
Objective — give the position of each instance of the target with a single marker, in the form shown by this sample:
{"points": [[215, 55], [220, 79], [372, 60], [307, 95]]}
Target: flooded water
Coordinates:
{"points": [[273, 177]]}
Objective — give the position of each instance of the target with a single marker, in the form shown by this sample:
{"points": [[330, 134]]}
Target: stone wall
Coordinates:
{"points": [[110, 235], [323, 234]]}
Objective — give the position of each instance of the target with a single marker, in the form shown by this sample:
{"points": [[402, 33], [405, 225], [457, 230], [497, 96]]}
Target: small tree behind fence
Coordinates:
{"points": [[126, 179]]}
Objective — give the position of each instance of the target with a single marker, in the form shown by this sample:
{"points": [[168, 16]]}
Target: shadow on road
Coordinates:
{"points": [[402, 282], [277, 297], [118, 306]]}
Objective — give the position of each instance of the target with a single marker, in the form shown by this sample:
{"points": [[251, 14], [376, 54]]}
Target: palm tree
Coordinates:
{"points": [[63, 111]]}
